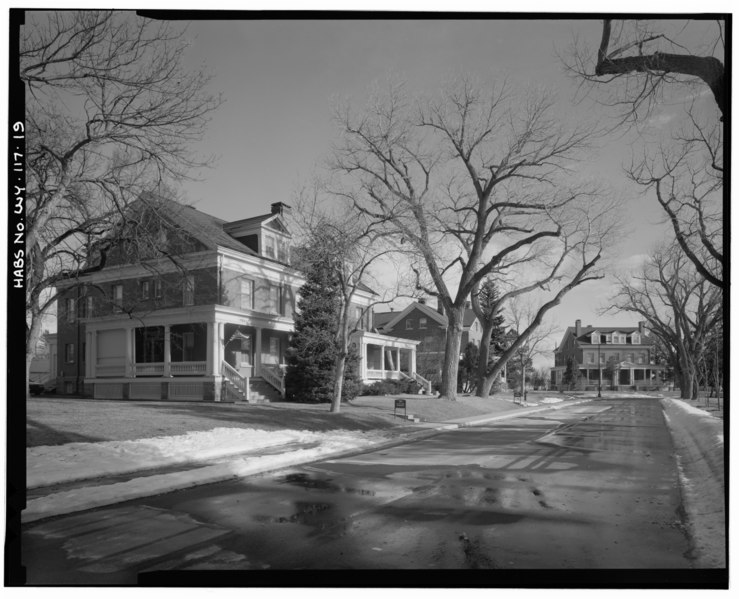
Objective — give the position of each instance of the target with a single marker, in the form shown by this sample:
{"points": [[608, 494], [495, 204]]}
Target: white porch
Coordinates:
{"points": [[384, 357], [184, 354]]}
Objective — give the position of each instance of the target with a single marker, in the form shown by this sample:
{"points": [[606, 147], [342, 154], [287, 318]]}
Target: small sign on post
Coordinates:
{"points": [[400, 404], [517, 397]]}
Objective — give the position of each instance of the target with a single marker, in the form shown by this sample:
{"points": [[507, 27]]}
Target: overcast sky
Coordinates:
{"points": [[280, 79]]}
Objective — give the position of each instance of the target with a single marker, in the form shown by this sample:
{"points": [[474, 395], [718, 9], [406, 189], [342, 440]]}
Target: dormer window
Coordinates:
{"points": [[635, 338], [269, 246]]}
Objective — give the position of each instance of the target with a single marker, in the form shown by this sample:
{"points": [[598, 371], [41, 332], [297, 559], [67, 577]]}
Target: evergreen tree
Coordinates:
{"points": [[313, 348]]}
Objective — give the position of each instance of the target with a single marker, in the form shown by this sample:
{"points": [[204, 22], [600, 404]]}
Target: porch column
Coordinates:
{"points": [[88, 353], [382, 360], [363, 358], [211, 350], [257, 366], [219, 346], [413, 361], [397, 363], [130, 357], [167, 351], [93, 353]]}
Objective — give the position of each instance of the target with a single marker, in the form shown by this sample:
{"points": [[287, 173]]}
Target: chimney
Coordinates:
{"points": [[578, 327], [439, 306], [642, 327], [280, 208], [422, 300]]}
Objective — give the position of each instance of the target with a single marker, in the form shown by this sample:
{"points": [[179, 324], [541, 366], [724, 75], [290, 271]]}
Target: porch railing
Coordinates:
{"points": [[235, 378], [273, 375], [187, 368], [148, 369], [373, 373], [420, 380]]}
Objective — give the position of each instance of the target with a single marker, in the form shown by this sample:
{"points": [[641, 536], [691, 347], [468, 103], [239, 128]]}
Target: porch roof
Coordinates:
{"points": [[384, 340]]}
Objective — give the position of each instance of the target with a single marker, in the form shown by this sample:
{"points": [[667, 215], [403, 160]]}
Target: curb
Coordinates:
{"points": [[84, 498]]}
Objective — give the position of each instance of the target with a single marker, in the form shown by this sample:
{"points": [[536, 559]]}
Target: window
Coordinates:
{"points": [[282, 250], [630, 357], [157, 288], [421, 323], [602, 358], [86, 307], [635, 338], [275, 299], [188, 291], [71, 309], [274, 346], [69, 353], [246, 294], [359, 316], [145, 287], [188, 343], [117, 295], [269, 246], [604, 338], [408, 324], [591, 358], [641, 359]]}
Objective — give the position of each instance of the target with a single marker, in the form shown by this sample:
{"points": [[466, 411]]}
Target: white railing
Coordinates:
{"points": [[148, 369], [384, 374], [425, 382], [273, 375], [187, 368], [233, 376]]}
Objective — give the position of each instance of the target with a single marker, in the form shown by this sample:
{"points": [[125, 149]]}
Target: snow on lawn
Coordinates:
{"points": [[50, 465], [552, 400]]}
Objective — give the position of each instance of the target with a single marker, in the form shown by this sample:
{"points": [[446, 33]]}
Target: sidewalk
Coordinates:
{"points": [[67, 494]]}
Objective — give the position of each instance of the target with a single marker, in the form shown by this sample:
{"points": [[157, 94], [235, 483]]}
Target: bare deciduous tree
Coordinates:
{"points": [[687, 178], [680, 307], [110, 113], [474, 183], [353, 245], [637, 60]]}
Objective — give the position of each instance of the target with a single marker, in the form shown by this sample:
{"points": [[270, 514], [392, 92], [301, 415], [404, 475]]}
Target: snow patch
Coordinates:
{"points": [[552, 400], [51, 465]]}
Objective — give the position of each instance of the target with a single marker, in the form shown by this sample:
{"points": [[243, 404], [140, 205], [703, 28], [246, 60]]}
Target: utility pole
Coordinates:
{"points": [[600, 371]]}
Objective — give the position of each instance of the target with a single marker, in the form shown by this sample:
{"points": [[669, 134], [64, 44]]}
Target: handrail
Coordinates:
{"points": [[271, 376], [426, 383], [234, 376]]}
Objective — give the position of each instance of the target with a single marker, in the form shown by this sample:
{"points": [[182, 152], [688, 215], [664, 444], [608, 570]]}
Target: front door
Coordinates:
{"points": [[243, 361]]}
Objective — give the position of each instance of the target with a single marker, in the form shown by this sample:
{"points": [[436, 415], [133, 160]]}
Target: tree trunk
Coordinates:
{"points": [[452, 347], [32, 336], [482, 363], [340, 366]]}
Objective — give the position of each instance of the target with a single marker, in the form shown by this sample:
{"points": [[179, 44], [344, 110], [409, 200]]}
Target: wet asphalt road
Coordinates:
{"points": [[590, 486]]}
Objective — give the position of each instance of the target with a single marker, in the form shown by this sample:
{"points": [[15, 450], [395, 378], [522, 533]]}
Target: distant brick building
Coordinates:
{"points": [[421, 322], [630, 351]]}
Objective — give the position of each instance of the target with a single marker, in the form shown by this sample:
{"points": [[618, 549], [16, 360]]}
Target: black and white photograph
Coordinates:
{"points": [[387, 297]]}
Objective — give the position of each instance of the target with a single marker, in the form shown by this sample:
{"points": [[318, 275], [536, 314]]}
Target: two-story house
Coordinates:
{"points": [[427, 326], [207, 316], [630, 352]]}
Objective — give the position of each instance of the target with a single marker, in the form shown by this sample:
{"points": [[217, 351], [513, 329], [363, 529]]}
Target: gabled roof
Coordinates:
{"points": [[207, 229], [585, 333], [390, 319], [273, 221]]}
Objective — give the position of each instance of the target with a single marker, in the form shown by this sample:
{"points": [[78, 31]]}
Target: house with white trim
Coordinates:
{"points": [[206, 316], [629, 350], [427, 326]]}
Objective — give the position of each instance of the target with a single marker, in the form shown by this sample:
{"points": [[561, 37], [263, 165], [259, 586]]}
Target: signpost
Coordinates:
{"points": [[400, 404]]}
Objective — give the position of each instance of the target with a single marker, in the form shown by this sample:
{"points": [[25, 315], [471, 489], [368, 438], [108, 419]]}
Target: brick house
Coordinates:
{"points": [[427, 326], [630, 351], [209, 320]]}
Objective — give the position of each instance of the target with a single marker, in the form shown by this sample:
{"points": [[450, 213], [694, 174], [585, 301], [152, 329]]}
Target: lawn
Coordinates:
{"points": [[56, 420]]}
